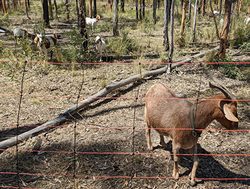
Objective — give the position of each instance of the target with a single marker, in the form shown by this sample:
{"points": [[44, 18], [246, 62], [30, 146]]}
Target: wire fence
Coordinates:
{"points": [[133, 152]]}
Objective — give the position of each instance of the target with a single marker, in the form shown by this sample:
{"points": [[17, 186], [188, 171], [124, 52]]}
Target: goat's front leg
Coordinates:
{"points": [[162, 142], [176, 149], [148, 136], [195, 165]]}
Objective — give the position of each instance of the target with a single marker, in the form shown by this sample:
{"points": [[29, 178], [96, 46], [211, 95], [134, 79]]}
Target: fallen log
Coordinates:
{"points": [[63, 117]]}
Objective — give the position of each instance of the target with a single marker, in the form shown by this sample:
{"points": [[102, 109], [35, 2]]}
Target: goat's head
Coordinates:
{"points": [[98, 17], [38, 39], [226, 111]]}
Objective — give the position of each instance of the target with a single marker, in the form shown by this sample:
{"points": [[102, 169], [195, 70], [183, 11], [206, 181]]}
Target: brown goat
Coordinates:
{"points": [[178, 118]]}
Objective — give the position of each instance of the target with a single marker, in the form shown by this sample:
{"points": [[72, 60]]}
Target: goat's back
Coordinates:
{"points": [[163, 109]]}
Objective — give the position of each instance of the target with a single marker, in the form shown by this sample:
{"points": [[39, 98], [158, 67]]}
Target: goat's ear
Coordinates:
{"points": [[228, 114]]}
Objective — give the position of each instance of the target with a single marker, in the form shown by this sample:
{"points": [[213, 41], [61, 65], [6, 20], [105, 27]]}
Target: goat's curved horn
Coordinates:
{"points": [[223, 89]]}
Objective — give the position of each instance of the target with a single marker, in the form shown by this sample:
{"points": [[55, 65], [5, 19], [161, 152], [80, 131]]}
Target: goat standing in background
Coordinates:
{"points": [[92, 21], [45, 43], [179, 119], [100, 46]]}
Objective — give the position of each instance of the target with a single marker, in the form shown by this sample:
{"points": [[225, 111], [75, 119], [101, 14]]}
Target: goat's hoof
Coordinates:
{"points": [[176, 176], [192, 182], [150, 148]]}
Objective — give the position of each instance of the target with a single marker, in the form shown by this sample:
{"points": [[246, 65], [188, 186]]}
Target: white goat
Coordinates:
{"points": [[183, 120], [100, 45], [19, 32], [92, 21], [45, 43]]}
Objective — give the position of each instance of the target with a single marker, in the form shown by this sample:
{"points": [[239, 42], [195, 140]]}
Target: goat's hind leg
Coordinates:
{"points": [[162, 142], [195, 166], [148, 136], [176, 149]]}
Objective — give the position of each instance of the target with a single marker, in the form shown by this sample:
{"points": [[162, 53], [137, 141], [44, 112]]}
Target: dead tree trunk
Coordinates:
{"points": [[140, 10], [115, 18], [143, 8], [167, 5], [154, 10], [225, 29], [46, 13], [82, 24], [194, 22], [171, 47]]}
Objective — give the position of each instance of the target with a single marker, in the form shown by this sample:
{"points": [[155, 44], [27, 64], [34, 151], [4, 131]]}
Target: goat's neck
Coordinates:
{"points": [[204, 113]]}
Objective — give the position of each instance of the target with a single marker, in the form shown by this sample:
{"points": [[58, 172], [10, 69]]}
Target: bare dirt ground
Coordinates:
{"points": [[108, 127]]}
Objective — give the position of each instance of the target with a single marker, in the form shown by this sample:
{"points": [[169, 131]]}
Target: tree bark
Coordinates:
{"points": [[189, 11], [82, 24], [122, 5], [225, 29], [51, 10], [94, 9], [115, 18], [136, 9], [171, 46], [66, 115], [183, 19], [90, 9], [67, 10], [154, 10], [56, 9], [194, 22], [203, 7], [167, 5], [27, 9], [220, 9], [46, 13]]}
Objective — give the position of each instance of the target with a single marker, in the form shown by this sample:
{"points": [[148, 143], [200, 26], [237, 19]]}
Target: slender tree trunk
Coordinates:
{"points": [[167, 5], [225, 29], [94, 9], [183, 19], [51, 10], [194, 21], [82, 23], [67, 10], [140, 10], [56, 9], [46, 13], [158, 4], [15, 4], [154, 10], [220, 9], [171, 46], [90, 9], [115, 18], [78, 13], [27, 9], [122, 5], [203, 7], [189, 11], [136, 9], [5, 11], [143, 8]]}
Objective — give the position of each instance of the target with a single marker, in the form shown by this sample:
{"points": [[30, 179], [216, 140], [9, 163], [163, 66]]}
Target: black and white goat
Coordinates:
{"points": [[100, 45], [45, 43]]}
